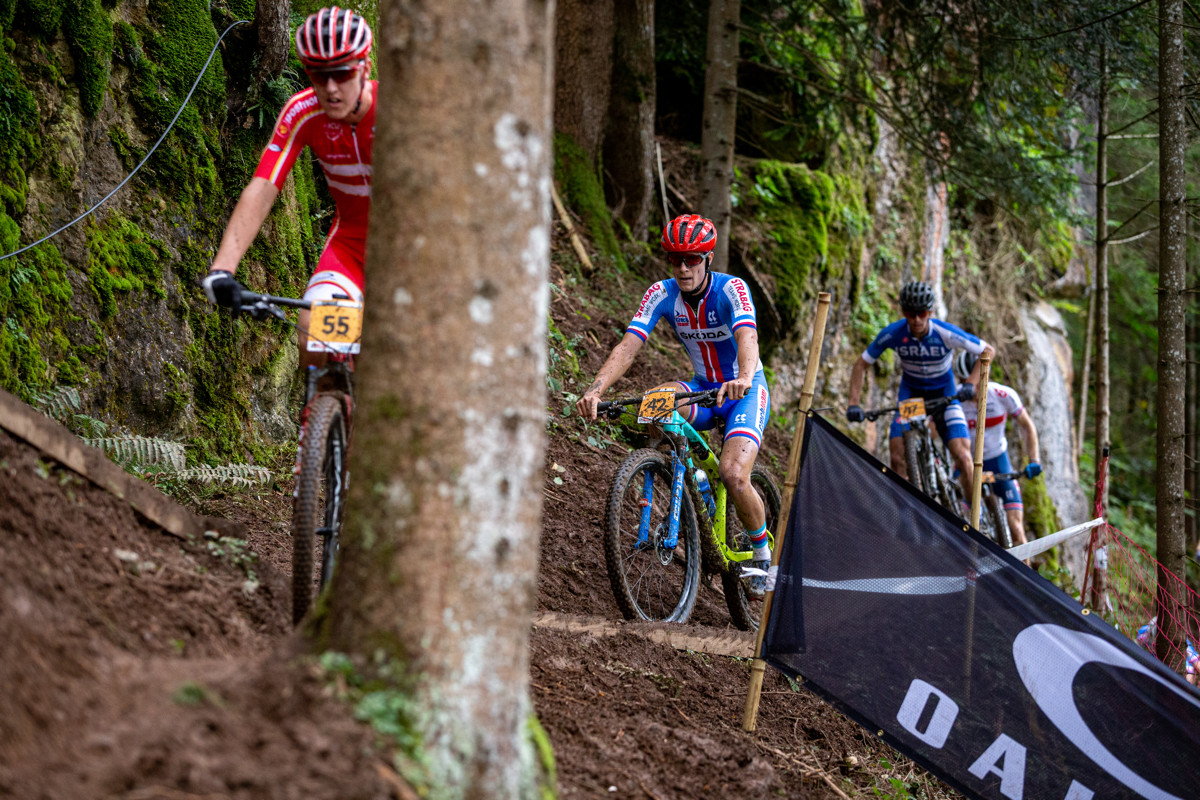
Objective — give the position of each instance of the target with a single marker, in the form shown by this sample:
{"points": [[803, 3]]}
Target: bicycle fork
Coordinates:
{"points": [[671, 539]]}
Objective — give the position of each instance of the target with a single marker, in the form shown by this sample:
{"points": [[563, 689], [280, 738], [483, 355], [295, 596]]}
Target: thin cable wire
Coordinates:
{"points": [[144, 160]]}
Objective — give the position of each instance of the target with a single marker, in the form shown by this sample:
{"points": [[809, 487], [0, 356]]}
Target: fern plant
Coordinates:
{"points": [[159, 460]]}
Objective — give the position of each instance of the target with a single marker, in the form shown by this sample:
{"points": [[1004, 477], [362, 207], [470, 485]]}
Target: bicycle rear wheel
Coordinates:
{"points": [[649, 580], [319, 501], [744, 608], [993, 506]]}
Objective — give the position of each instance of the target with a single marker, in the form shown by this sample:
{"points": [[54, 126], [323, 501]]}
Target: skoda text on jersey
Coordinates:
{"points": [[707, 333], [925, 362], [344, 151]]}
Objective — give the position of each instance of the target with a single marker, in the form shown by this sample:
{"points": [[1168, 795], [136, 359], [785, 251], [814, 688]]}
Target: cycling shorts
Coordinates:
{"points": [[746, 417], [1008, 490], [345, 254], [951, 424]]}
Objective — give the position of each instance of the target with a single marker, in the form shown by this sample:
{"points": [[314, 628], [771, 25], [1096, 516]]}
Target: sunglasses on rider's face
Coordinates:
{"points": [[339, 74], [690, 260]]}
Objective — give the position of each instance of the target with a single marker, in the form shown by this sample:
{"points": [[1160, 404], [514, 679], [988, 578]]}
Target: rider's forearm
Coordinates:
{"points": [[988, 352], [856, 381], [747, 342], [1032, 449], [247, 218], [616, 364]]}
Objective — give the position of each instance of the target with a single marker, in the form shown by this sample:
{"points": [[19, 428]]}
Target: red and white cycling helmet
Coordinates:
{"points": [[689, 233], [333, 37]]}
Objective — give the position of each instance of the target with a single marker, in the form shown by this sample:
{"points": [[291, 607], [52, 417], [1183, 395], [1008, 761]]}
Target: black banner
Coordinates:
{"points": [[960, 656]]}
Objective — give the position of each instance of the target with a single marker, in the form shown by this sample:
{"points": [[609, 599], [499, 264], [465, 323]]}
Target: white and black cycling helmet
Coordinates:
{"points": [[964, 362], [916, 296]]}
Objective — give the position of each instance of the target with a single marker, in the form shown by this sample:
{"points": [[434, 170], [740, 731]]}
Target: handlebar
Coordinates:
{"points": [[259, 306], [613, 408], [992, 477], [931, 405]]}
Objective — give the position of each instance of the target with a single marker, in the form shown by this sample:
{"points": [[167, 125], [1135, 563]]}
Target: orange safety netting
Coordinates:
{"points": [[1123, 583]]}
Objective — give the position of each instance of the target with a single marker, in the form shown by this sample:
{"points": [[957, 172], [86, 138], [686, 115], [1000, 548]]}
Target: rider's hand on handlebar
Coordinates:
{"points": [[966, 392], [1033, 469], [855, 414], [733, 390], [222, 290], [586, 405]]}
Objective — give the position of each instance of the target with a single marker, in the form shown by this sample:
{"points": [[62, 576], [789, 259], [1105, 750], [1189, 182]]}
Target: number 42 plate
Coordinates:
{"points": [[335, 326], [657, 404]]}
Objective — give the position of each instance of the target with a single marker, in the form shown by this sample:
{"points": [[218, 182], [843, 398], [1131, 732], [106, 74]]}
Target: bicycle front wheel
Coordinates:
{"points": [[651, 579], [318, 503], [914, 460], [744, 608], [993, 506]]}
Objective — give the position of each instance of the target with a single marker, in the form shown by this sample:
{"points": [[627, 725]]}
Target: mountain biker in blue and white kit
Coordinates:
{"points": [[925, 347], [1003, 403], [713, 315]]}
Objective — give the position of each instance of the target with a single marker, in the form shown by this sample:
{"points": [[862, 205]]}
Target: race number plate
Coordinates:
{"points": [[912, 408], [335, 326], [657, 404]]}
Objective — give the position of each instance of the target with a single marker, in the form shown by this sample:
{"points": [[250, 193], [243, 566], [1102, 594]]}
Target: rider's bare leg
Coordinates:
{"points": [[737, 462], [960, 451], [1016, 524], [896, 453]]}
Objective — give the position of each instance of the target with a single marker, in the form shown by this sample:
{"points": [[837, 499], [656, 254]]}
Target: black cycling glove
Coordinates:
{"points": [[966, 391], [222, 290], [855, 414]]}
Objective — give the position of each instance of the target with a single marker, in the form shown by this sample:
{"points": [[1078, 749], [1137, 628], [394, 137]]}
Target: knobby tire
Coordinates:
{"points": [[913, 460], [1001, 534], [318, 502], [644, 586], [745, 609]]}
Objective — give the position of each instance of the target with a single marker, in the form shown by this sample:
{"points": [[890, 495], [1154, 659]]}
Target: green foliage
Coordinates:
{"points": [[18, 141], [545, 751], [194, 694], [583, 192], [122, 258], [811, 223], [34, 299], [40, 17], [90, 31], [7, 9]]}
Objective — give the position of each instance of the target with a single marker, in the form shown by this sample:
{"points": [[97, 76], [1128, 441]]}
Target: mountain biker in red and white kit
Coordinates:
{"points": [[713, 315], [1003, 403], [925, 347], [336, 118]]}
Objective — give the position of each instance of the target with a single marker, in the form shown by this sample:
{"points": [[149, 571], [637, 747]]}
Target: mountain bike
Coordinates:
{"points": [[929, 468], [321, 470], [993, 520], [655, 540]]}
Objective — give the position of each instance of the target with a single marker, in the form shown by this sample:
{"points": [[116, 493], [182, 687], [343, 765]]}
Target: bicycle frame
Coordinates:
{"points": [[680, 433]]}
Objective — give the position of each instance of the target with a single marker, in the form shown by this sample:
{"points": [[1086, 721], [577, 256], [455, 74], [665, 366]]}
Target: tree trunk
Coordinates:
{"points": [[1084, 388], [274, 38], [583, 44], [1172, 143], [1102, 349], [629, 139], [720, 121], [437, 575]]}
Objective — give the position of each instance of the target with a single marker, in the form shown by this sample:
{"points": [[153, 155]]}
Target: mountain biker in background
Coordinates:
{"points": [[925, 347], [713, 316], [1003, 402], [336, 118]]}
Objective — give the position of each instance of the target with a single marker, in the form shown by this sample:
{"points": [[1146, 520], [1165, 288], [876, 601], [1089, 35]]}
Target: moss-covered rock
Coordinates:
{"points": [[583, 192], [89, 29], [40, 17]]}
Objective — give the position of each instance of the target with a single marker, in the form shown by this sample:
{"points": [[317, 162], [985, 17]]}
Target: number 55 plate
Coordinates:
{"points": [[334, 326]]}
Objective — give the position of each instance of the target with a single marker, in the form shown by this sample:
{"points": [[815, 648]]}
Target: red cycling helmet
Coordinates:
{"points": [[690, 233], [333, 37]]}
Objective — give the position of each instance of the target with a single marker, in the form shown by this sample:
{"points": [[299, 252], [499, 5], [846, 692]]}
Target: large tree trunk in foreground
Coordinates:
{"points": [[438, 567], [720, 121], [1172, 341], [629, 139]]}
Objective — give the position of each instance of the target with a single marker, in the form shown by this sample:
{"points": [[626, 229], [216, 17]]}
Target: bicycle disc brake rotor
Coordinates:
{"points": [[665, 554]]}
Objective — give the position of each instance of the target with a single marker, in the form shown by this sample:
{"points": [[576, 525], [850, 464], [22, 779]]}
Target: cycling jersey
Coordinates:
{"points": [[925, 362], [706, 333], [344, 151], [1002, 402]]}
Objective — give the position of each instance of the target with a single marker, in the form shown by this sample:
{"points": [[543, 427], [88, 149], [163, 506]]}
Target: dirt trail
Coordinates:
{"points": [[139, 665]]}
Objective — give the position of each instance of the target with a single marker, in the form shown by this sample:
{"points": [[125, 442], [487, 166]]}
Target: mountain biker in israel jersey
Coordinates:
{"points": [[713, 317], [1003, 403], [336, 118], [925, 347]]}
